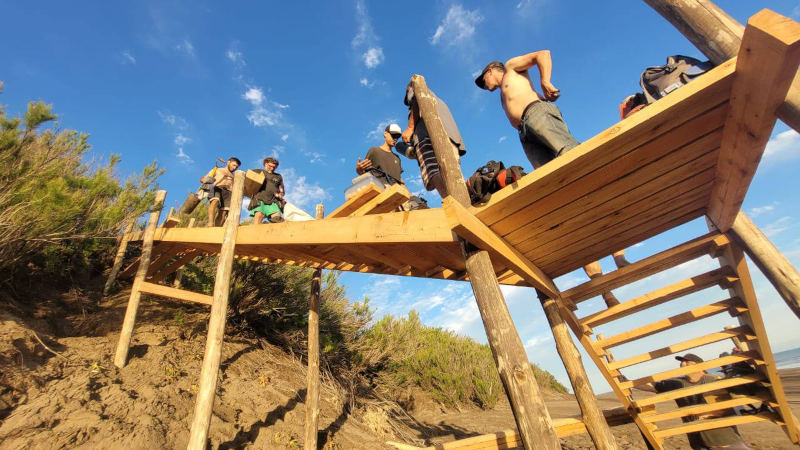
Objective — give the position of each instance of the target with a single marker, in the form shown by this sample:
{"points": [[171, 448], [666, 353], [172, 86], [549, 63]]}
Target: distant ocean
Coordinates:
{"points": [[789, 359]]}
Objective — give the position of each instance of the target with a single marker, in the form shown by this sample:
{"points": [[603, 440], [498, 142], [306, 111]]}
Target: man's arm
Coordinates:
{"points": [[413, 112], [363, 165], [542, 60]]}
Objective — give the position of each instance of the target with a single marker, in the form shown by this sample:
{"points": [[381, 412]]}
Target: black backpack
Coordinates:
{"points": [[491, 178], [658, 81]]}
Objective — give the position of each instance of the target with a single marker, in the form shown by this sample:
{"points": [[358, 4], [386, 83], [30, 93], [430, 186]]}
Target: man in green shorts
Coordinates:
{"points": [[268, 201]]}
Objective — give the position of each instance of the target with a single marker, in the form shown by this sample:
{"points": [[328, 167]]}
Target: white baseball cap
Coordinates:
{"points": [[393, 128]]}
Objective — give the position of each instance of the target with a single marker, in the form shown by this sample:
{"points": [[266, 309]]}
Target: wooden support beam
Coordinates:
{"points": [[123, 246], [216, 324], [657, 297], [766, 64], [592, 415], [474, 231], [121, 355], [358, 200], [732, 304], [179, 271], [387, 201], [718, 36], [171, 292], [778, 270], [729, 333], [641, 269], [530, 413], [312, 374]]}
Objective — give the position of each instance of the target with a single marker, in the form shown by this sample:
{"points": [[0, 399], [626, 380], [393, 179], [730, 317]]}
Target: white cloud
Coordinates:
{"points": [[173, 120], [186, 47], [782, 147], [457, 27], [759, 210], [285, 137], [778, 226], [128, 58], [366, 40], [254, 96], [502, 138], [537, 340], [181, 140], [373, 57], [264, 112], [300, 191], [183, 157], [314, 157], [236, 57]]}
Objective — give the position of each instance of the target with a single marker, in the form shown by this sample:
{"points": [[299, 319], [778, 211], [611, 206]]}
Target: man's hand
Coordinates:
{"points": [[551, 93], [407, 135], [363, 166]]}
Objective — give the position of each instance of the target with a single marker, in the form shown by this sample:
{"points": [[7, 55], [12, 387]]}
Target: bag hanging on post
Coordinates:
{"points": [[658, 81]]}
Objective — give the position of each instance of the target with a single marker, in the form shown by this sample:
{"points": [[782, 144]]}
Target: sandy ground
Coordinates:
{"points": [[72, 396]]}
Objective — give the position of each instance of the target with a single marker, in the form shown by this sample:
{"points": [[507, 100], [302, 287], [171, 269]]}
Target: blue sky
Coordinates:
{"points": [[314, 83]]}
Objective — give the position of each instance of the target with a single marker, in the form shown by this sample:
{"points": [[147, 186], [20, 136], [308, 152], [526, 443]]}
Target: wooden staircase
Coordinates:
{"points": [[747, 333]]}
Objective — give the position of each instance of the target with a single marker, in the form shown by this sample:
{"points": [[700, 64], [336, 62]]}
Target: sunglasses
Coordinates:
{"points": [[395, 136]]}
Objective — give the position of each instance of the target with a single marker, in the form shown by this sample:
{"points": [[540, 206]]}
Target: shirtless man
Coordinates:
{"points": [[542, 131]]}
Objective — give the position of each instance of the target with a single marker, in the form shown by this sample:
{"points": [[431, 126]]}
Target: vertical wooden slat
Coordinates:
{"points": [[123, 246], [121, 356], [533, 421], [179, 272], [216, 324], [312, 394]]}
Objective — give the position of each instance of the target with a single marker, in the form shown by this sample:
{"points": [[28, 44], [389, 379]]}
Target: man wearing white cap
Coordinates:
{"points": [[381, 161]]}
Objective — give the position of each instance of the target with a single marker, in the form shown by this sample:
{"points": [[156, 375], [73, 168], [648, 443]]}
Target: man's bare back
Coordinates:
{"points": [[516, 92]]}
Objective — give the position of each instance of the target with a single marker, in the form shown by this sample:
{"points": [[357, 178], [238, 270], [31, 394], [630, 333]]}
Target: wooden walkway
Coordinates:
{"points": [[690, 154]]}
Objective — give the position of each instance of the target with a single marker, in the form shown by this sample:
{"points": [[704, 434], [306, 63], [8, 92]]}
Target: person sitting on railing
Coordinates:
{"points": [[220, 181], [542, 131], [269, 201], [717, 438]]}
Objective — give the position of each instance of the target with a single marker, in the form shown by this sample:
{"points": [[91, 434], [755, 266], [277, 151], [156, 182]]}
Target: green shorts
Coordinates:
{"points": [[266, 210]]}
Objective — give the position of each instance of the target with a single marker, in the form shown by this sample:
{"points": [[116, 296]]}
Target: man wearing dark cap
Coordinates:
{"points": [[718, 438], [380, 160], [542, 131]]}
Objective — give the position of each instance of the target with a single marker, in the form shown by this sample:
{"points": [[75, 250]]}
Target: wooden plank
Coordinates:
{"points": [[707, 408], [252, 182], [119, 257], [767, 63], [699, 389], [662, 155], [474, 231], [751, 356], [734, 257], [701, 425], [673, 321], [643, 268], [387, 201], [171, 292], [647, 201], [743, 332], [312, 350], [610, 145], [187, 257], [640, 226], [164, 258], [657, 297], [359, 199]]}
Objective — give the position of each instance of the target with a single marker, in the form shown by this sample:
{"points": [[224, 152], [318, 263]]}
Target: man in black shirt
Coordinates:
{"points": [[380, 160], [717, 438], [268, 201]]}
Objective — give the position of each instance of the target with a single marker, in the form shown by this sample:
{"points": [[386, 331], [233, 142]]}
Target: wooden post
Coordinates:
{"points": [[216, 324], [123, 246], [530, 413], [312, 394], [718, 36], [179, 272], [593, 416], [121, 356], [778, 270]]}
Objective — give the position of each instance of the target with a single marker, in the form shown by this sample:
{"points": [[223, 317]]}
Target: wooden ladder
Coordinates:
{"points": [[749, 335]]}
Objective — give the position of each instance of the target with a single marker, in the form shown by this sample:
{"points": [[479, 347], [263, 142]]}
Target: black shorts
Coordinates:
{"points": [[223, 196]]}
